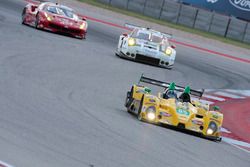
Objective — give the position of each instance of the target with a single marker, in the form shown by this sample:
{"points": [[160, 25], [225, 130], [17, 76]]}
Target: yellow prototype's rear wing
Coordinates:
{"points": [[197, 93]]}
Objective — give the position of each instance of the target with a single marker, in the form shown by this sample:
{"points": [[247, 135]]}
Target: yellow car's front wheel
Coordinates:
{"points": [[129, 100]]}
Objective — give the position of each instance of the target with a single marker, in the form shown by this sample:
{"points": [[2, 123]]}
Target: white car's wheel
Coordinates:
{"points": [[117, 54]]}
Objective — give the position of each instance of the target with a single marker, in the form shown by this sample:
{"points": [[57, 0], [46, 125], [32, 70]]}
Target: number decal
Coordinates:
{"points": [[182, 112]]}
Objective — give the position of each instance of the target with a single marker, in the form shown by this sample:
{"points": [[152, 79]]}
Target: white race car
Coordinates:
{"points": [[147, 46]]}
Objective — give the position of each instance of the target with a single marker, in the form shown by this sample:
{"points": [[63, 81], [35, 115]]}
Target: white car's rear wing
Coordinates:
{"points": [[168, 36], [132, 27]]}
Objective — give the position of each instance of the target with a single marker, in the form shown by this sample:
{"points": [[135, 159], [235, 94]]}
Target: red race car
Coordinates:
{"points": [[56, 18]]}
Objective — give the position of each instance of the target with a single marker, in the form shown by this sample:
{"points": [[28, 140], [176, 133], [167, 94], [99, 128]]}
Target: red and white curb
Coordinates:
{"points": [[229, 138], [212, 96], [4, 164], [215, 96], [239, 144]]}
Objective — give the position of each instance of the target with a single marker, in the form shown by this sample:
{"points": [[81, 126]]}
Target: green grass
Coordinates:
{"points": [[168, 24]]}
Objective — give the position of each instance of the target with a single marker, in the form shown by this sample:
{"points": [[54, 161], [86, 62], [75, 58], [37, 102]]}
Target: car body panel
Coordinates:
{"points": [[193, 116], [147, 51], [41, 18]]}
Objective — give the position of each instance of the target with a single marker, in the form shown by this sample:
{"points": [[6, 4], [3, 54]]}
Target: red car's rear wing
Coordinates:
{"points": [[166, 85]]}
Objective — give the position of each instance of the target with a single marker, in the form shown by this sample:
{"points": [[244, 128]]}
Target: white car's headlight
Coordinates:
{"points": [[168, 51], [131, 42]]}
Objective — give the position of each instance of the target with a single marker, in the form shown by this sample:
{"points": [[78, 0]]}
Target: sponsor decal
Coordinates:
{"points": [[215, 120], [215, 116], [197, 122], [150, 103], [212, 1], [144, 90], [164, 121], [193, 128], [152, 100], [150, 52], [140, 91], [182, 111], [165, 114], [241, 4]]}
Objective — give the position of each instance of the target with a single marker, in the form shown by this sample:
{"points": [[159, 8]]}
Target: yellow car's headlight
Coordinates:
{"points": [[212, 128], [131, 42], [82, 26], [151, 113], [210, 131], [168, 51], [151, 116]]}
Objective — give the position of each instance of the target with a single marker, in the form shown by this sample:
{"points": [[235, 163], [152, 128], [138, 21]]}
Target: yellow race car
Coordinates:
{"points": [[170, 109]]}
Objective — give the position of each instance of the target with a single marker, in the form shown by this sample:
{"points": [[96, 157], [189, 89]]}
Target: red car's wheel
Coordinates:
{"points": [[83, 36], [37, 21], [23, 16]]}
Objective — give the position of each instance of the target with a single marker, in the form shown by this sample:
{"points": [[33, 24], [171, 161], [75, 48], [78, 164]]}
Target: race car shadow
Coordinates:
{"points": [[57, 33], [61, 33], [188, 132], [177, 129], [141, 62]]}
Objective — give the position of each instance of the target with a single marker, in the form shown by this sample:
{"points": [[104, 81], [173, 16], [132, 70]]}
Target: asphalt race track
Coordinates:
{"points": [[61, 101]]}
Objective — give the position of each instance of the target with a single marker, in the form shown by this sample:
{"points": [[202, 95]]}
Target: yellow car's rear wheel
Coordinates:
{"points": [[139, 115]]}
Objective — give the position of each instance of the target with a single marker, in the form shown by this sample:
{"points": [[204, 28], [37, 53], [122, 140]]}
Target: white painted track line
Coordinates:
{"points": [[4, 164], [237, 143]]}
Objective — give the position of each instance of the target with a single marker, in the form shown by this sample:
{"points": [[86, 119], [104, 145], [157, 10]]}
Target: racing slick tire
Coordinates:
{"points": [[129, 100], [37, 21], [139, 116], [83, 37], [117, 54], [170, 68], [218, 139], [23, 15], [129, 97]]}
